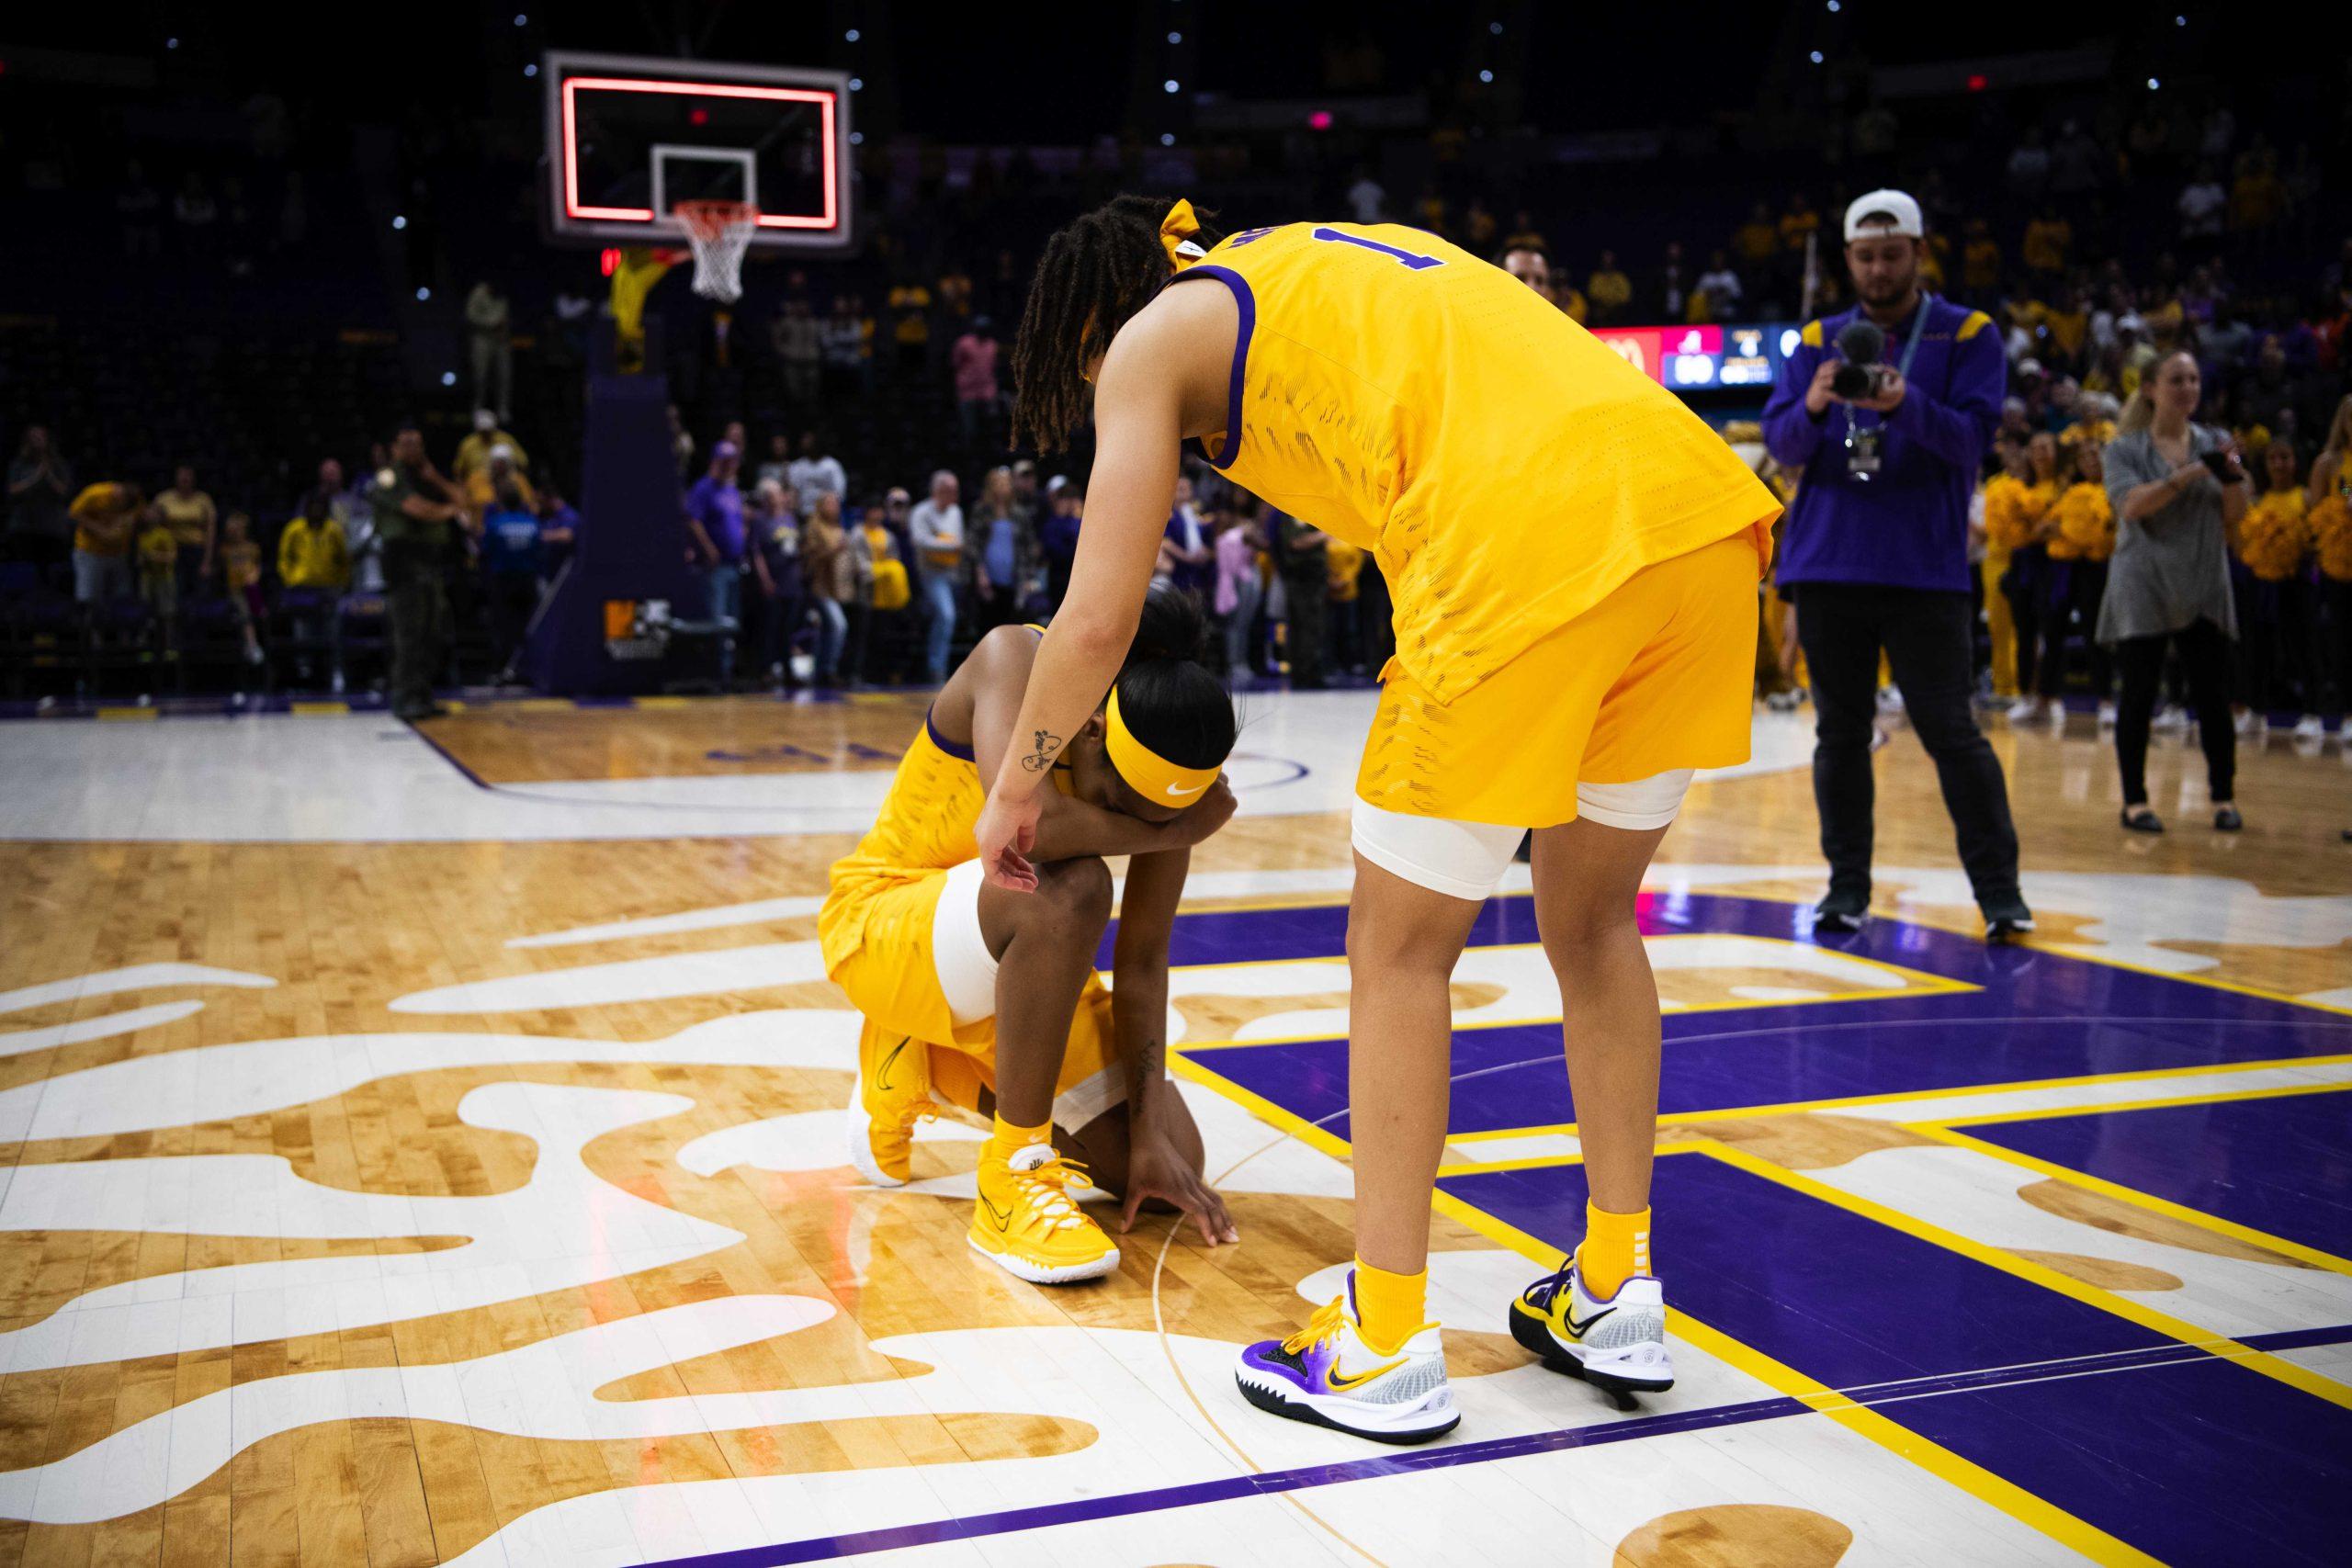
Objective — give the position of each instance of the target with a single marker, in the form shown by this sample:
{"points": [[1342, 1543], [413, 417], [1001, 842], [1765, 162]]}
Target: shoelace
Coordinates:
{"points": [[917, 1110], [1054, 1180], [1541, 1293], [1322, 1326]]}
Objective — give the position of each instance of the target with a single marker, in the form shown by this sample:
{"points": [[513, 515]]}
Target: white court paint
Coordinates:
{"points": [[366, 778], [565, 1227], [131, 977]]}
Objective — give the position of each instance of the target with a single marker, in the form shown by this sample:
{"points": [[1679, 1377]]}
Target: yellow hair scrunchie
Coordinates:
{"points": [[1176, 231]]}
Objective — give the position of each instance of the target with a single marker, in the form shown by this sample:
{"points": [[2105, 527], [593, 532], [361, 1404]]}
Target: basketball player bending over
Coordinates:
{"points": [[988, 998], [1573, 558]]}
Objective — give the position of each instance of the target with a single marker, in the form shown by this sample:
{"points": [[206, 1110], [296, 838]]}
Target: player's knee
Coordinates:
{"points": [[1075, 894]]}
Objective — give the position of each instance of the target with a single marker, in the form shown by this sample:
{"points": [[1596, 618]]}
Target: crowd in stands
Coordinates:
{"points": [[2098, 240]]}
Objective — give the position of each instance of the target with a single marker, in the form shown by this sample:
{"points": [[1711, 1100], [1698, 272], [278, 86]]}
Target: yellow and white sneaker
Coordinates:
{"points": [[1027, 1223], [893, 1093]]}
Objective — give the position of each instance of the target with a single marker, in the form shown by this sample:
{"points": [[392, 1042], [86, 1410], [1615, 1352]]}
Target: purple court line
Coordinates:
{"points": [[449, 756], [1410, 1462]]}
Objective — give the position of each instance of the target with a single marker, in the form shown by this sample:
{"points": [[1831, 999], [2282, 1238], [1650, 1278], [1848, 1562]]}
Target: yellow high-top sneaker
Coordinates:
{"points": [[893, 1093], [1026, 1222]]}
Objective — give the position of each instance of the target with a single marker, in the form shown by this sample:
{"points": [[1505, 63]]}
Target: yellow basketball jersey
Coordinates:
{"points": [[925, 826], [1506, 469]]}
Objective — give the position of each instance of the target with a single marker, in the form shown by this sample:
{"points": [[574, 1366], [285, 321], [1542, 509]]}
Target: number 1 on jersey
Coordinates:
{"points": [[1413, 259]]}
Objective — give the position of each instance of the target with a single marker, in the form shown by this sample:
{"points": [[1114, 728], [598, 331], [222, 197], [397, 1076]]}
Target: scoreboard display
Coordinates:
{"points": [[1704, 358]]}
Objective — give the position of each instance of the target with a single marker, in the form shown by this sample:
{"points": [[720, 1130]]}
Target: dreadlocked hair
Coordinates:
{"points": [[1097, 272]]}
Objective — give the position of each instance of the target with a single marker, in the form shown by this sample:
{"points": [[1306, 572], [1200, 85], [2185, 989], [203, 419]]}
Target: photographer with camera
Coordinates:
{"points": [[2179, 490], [1875, 555]]}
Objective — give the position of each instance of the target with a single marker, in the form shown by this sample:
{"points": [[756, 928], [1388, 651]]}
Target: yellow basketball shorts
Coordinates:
{"points": [[1659, 676], [921, 930]]}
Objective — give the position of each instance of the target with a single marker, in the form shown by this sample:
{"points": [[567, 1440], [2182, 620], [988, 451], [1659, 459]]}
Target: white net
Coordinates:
{"points": [[720, 231]]}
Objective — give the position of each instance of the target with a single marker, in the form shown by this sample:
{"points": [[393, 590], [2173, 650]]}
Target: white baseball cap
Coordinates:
{"points": [[1869, 214]]}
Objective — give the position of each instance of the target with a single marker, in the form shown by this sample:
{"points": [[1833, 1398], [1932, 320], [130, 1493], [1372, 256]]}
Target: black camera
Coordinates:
{"points": [[1857, 381], [1862, 345]]}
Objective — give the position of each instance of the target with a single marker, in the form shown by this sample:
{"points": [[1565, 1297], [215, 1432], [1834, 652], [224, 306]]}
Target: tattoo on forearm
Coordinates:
{"points": [[1041, 756], [1148, 1061]]}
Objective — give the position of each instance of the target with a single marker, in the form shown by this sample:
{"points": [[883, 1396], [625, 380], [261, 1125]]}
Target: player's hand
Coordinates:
{"points": [[1889, 395], [1209, 813], [1818, 396], [1158, 1169], [1006, 832]]}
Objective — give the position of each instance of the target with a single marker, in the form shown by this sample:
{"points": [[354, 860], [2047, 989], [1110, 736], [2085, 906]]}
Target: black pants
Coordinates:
{"points": [[2041, 645], [513, 596], [416, 602], [2333, 655], [2205, 658], [2085, 587], [1929, 641]]}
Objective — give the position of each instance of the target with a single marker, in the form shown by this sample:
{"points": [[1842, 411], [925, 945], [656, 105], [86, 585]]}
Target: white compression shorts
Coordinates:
{"points": [[967, 971], [1466, 860]]}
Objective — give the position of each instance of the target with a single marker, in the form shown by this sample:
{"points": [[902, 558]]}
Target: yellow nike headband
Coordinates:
{"points": [[1148, 773]]}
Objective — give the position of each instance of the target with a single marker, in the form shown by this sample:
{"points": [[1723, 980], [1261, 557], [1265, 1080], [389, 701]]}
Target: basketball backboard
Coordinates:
{"points": [[629, 137]]}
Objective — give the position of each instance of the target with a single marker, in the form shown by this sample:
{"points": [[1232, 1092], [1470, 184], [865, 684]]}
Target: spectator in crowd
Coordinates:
{"points": [[1365, 198], [1720, 283], [498, 480], [910, 303], [473, 451], [1607, 290], [881, 639], [2272, 548], [415, 508], [314, 564], [682, 442], [830, 574], [2328, 499], [194, 522], [775, 563], [847, 345], [2202, 205], [158, 555], [489, 348], [2029, 165], [1673, 291], [41, 488], [1238, 590], [558, 528], [2087, 536], [1057, 537], [1027, 504], [778, 465], [1000, 551], [814, 474], [1187, 550], [1876, 554], [1304, 563], [2022, 519], [313, 551], [799, 340], [2169, 582], [241, 579], [979, 398], [513, 558], [1530, 266], [936, 526], [104, 517], [715, 523]]}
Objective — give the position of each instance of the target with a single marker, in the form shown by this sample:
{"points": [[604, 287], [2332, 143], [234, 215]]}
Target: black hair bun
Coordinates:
{"points": [[1173, 625]]}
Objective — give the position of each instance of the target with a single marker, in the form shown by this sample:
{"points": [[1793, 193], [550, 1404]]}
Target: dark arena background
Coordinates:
{"points": [[473, 563]]}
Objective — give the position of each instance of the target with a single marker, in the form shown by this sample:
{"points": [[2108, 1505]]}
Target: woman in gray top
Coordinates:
{"points": [[2178, 491]]}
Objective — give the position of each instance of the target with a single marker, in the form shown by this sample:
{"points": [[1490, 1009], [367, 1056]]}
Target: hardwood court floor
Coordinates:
{"points": [[375, 1194]]}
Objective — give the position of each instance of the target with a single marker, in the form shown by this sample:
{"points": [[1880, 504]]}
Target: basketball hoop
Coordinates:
{"points": [[720, 231]]}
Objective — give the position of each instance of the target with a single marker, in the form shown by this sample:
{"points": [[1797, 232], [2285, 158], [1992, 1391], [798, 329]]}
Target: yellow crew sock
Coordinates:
{"points": [[1005, 1140], [1389, 1306], [1616, 1246]]}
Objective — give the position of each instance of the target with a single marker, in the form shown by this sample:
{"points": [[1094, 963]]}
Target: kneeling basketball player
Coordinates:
{"points": [[988, 998]]}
